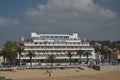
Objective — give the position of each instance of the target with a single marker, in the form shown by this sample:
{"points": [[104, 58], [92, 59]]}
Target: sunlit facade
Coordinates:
{"points": [[57, 44], [1, 57]]}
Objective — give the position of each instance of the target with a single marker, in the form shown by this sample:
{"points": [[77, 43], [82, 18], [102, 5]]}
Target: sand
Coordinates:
{"points": [[62, 74]]}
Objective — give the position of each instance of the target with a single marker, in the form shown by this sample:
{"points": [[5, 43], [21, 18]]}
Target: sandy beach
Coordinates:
{"points": [[62, 74]]}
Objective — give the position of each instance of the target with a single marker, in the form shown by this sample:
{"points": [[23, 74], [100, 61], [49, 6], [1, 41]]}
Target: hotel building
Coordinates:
{"points": [[57, 44]]}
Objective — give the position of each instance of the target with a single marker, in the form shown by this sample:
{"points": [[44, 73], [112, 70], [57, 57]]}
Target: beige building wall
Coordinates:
{"points": [[119, 56], [1, 60]]}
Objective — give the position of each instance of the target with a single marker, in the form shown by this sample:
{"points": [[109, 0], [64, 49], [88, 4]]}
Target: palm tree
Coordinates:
{"points": [[103, 54], [80, 53], [115, 54], [30, 55], [109, 52], [69, 54], [20, 50], [87, 54], [97, 49], [51, 58]]}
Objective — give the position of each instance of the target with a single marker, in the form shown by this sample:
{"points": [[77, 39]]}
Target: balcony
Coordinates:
{"points": [[65, 44], [61, 49]]}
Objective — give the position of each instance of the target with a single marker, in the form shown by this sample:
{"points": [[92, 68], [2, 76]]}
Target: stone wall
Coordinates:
{"points": [[110, 67]]}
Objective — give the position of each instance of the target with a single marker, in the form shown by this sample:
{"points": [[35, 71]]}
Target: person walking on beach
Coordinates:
{"points": [[47, 71], [49, 74]]}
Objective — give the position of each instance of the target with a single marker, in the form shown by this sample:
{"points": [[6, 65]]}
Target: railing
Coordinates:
{"points": [[65, 44], [59, 48]]}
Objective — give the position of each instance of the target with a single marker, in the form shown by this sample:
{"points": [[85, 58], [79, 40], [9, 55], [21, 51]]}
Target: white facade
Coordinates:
{"points": [[1, 57], [58, 44]]}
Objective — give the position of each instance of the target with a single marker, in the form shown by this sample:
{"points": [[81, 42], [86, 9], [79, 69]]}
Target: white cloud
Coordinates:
{"points": [[8, 22], [68, 7], [32, 12], [83, 16]]}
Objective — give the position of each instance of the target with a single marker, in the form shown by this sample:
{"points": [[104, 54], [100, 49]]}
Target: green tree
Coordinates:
{"points": [[19, 50], [118, 47], [69, 54], [51, 58], [80, 53], [10, 50], [87, 54], [30, 54], [97, 49]]}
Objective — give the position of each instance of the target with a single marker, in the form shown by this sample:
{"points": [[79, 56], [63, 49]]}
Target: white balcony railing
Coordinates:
{"points": [[27, 44], [44, 49]]}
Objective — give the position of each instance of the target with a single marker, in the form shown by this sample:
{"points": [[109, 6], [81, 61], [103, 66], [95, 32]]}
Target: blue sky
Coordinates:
{"points": [[93, 19]]}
